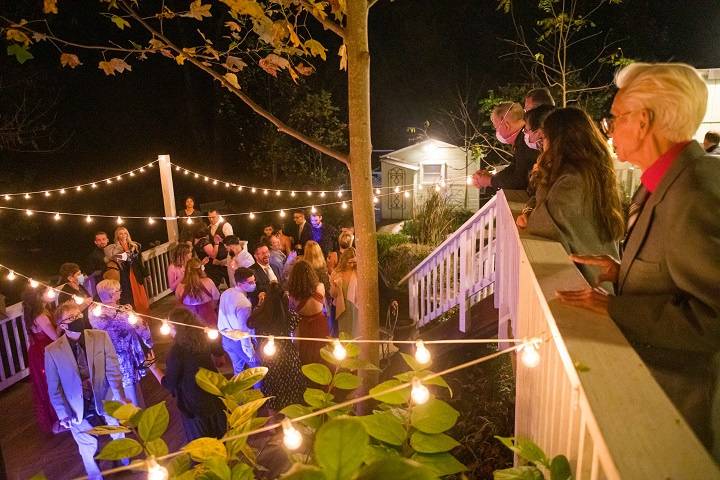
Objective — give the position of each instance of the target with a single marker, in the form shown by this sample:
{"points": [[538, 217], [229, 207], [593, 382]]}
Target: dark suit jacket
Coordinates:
{"points": [[668, 301], [262, 281], [302, 237], [516, 175]]}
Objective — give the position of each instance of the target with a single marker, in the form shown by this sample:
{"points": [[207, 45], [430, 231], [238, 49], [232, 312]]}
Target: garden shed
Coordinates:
{"points": [[419, 169]]}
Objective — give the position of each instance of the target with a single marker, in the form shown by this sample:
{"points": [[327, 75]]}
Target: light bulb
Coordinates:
{"points": [[313, 209], [212, 333], [344, 205], [322, 194], [530, 355], [396, 189], [56, 216], [269, 349], [251, 216], [253, 189], [27, 196], [339, 351], [206, 179], [33, 283], [94, 185], [7, 197], [407, 194], [28, 212], [188, 221], [468, 180], [97, 310], [62, 191], [282, 213], [339, 193], [215, 182], [377, 191], [291, 437], [50, 295], [422, 354], [11, 275], [240, 188], [119, 221], [185, 172], [78, 188], [78, 299], [292, 194], [109, 180], [227, 185], [88, 219], [419, 393], [265, 192], [118, 178], [151, 220], [165, 328], [221, 219], [277, 192], [132, 318], [376, 199], [142, 169], [437, 188], [151, 164], [156, 471], [196, 175], [132, 174], [177, 168], [309, 193], [47, 194]]}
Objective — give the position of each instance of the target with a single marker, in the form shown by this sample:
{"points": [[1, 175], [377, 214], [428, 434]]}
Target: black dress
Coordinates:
{"points": [[284, 382], [203, 414]]}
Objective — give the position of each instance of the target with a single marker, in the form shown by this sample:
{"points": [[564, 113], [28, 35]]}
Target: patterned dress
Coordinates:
{"points": [[128, 341]]}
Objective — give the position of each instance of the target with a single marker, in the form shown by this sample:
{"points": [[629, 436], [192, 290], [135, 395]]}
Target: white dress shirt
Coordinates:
{"points": [[227, 229], [269, 272], [234, 310]]}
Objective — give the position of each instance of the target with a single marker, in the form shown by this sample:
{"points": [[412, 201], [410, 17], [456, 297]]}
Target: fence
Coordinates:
{"points": [[14, 342]]}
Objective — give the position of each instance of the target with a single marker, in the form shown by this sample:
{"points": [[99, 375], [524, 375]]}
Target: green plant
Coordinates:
{"points": [[400, 259], [385, 241], [558, 468], [434, 218]]}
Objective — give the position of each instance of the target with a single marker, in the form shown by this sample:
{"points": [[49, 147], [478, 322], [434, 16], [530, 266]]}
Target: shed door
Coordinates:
{"points": [[400, 206]]}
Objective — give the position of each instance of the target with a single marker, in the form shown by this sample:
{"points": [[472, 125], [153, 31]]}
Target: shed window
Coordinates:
{"points": [[432, 174]]}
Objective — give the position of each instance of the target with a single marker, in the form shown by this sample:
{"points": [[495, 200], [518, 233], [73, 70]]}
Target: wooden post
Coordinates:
{"points": [[168, 197]]}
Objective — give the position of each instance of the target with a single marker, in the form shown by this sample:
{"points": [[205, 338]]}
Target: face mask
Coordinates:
{"points": [[501, 139], [248, 287], [533, 145], [81, 279], [77, 325]]}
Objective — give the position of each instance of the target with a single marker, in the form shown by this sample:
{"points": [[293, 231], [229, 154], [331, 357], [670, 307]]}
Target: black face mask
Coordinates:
{"points": [[77, 325]]}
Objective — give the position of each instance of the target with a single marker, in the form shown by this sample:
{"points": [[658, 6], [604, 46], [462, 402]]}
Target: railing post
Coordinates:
{"points": [[168, 197], [463, 300]]}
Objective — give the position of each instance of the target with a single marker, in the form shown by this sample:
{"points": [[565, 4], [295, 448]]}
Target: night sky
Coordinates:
{"points": [[423, 53]]}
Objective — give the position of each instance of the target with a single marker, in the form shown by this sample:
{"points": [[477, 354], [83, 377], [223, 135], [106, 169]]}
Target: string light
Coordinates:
{"points": [[132, 318], [396, 189], [282, 213], [377, 191], [47, 194], [156, 471], [97, 310], [93, 186], [27, 196], [469, 180], [78, 189], [292, 439], [419, 392], [322, 194], [309, 193], [277, 193], [189, 221], [253, 190], [151, 220], [88, 219], [78, 299], [56, 216], [339, 193], [11, 276], [251, 215], [50, 295], [212, 333], [437, 187], [62, 191], [407, 194], [376, 199], [344, 205], [292, 194], [269, 348], [422, 354], [119, 221], [28, 212], [530, 354], [165, 328], [33, 283], [265, 192], [339, 351], [7, 197], [313, 209]]}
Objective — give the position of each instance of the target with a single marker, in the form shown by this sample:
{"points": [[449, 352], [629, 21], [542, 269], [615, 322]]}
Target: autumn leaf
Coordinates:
{"points": [[69, 60], [338, 8], [17, 36], [120, 22], [50, 6], [156, 44], [245, 7], [272, 64], [303, 69], [234, 64], [180, 59], [294, 39], [114, 65], [343, 57], [233, 26], [232, 80], [39, 37], [293, 74], [316, 48], [19, 52], [198, 11]]}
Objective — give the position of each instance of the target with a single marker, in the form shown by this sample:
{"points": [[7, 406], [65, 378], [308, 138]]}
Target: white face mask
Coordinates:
{"points": [[81, 279], [533, 145], [248, 287], [500, 138]]}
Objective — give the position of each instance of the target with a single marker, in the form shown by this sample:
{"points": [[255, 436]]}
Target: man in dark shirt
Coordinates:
{"points": [[95, 263], [324, 235]]}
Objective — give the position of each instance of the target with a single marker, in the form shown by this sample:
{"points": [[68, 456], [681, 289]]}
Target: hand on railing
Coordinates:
{"points": [[593, 299], [609, 267]]}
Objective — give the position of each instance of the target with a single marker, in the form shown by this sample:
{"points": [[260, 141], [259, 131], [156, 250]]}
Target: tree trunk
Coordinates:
{"points": [[361, 177]]}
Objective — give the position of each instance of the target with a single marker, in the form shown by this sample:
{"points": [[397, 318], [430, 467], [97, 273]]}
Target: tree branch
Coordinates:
{"points": [[327, 24]]}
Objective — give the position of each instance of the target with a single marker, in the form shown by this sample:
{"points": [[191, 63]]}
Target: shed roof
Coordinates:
{"points": [[427, 151]]}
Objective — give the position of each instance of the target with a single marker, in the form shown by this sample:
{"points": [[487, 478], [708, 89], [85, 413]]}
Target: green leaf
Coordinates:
{"points": [[39, 476], [120, 22], [108, 430], [408, 376], [153, 422], [111, 405], [120, 448], [249, 377], [157, 447], [414, 364], [218, 467], [526, 449], [300, 471], [179, 465], [125, 412], [326, 354], [385, 427], [560, 468], [441, 464], [435, 416], [432, 443], [203, 448], [346, 381], [318, 373], [296, 410], [380, 451], [317, 398], [395, 398], [242, 471], [395, 469], [21, 53], [356, 364], [316, 48], [245, 412], [211, 382], [518, 473], [340, 447]]}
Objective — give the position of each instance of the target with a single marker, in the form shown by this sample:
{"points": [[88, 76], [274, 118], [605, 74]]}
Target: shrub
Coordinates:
{"points": [[400, 259], [385, 241]]}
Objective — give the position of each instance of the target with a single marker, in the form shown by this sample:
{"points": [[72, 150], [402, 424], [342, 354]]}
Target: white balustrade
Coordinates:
{"points": [[156, 261]]}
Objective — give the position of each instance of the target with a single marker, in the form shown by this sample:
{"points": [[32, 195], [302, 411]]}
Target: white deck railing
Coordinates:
{"points": [[459, 272], [14, 340]]}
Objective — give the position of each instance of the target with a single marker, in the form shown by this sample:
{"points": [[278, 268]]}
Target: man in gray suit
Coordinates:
{"points": [[668, 282], [82, 370]]}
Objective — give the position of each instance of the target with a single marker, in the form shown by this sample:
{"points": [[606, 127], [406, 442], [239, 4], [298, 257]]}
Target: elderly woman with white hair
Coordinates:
{"points": [[668, 280], [129, 334]]}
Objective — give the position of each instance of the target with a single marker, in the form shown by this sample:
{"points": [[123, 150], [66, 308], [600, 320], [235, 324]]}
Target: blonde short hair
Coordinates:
{"points": [[106, 288], [510, 111], [675, 93]]}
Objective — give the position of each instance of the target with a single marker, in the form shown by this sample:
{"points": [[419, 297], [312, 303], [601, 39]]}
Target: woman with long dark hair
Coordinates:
{"points": [[284, 382], [41, 329], [577, 201], [202, 413], [307, 299], [198, 293]]}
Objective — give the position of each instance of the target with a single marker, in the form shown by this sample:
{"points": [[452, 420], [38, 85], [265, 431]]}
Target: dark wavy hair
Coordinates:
{"points": [[189, 338], [272, 314], [303, 280], [33, 305], [574, 142]]}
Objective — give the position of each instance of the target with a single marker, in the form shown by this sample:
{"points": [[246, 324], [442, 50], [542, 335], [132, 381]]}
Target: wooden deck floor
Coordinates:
{"points": [[27, 451]]}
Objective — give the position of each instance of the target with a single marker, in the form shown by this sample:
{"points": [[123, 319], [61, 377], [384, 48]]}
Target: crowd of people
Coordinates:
{"points": [[90, 342], [652, 266]]}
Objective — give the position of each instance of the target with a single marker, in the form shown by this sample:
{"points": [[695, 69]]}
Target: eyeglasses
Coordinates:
{"points": [[607, 124]]}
